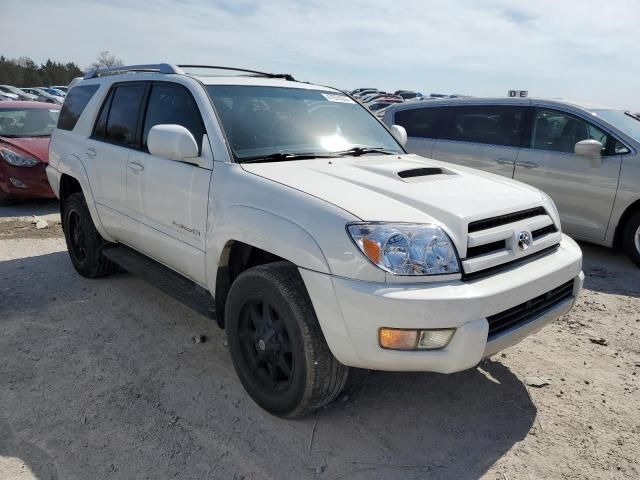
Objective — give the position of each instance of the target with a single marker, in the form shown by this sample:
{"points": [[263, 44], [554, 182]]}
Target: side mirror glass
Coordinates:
{"points": [[173, 142], [400, 134], [591, 149]]}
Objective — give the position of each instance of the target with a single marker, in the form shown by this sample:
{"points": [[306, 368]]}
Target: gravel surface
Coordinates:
{"points": [[101, 379]]}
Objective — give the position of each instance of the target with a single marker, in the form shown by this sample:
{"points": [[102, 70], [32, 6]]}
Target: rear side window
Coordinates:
{"points": [[74, 104], [492, 125], [118, 119], [173, 104], [420, 122]]}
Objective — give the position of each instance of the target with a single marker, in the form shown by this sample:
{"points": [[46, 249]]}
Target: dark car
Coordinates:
{"points": [[25, 131]]}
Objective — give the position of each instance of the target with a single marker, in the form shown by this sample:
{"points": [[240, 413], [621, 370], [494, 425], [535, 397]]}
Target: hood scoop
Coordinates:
{"points": [[417, 174]]}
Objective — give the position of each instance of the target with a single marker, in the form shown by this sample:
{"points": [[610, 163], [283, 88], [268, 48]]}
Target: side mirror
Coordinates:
{"points": [[591, 149], [400, 134], [173, 142]]}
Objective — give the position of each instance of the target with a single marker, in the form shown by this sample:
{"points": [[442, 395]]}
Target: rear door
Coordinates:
{"points": [[486, 137], [107, 152], [170, 198], [583, 193], [422, 125]]}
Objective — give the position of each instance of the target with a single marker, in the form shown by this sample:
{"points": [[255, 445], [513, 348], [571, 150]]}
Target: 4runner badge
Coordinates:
{"points": [[524, 240], [187, 229]]}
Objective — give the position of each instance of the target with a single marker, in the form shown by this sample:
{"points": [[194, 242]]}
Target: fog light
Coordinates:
{"points": [[433, 339], [17, 183], [404, 339], [398, 339]]}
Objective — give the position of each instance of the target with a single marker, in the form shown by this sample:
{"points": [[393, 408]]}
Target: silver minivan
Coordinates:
{"points": [[585, 158]]}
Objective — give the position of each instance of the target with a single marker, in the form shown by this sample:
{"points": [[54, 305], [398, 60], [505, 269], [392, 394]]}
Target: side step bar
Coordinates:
{"points": [[163, 278]]}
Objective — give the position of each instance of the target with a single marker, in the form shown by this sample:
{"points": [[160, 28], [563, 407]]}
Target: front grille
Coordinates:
{"points": [[524, 312], [541, 232], [492, 222], [473, 252]]}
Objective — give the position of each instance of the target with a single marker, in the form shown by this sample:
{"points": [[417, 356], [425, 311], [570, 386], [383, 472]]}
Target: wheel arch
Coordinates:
{"points": [[624, 218], [254, 237], [72, 176]]}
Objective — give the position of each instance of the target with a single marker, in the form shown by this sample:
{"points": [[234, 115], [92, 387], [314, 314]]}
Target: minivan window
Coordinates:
{"points": [[623, 121], [173, 104], [559, 132], [493, 125], [122, 118], [420, 122], [74, 104]]}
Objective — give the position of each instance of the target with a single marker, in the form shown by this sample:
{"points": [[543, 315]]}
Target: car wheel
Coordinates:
{"points": [[276, 344], [631, 238], [84, 243]]}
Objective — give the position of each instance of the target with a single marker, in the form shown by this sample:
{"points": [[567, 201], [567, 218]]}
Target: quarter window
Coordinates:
{"points": [[420, 122], [74, 104], [493, 125], [173, 104], [559, 132]]}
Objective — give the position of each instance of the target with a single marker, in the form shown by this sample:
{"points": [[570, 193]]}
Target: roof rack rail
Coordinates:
{"points": [[285, 76], [157, 67]]}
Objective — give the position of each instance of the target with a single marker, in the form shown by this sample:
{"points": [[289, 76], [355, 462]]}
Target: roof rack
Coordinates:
{"points": [[168, 68], [158, 67], [285, 76]]}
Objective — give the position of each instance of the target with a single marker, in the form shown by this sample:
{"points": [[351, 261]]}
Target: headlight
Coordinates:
{"points": [[17, 160], [406, 249]]}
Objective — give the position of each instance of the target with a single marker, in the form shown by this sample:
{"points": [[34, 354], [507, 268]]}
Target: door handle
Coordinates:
{"points": [[504, 161], [528, 165], [91, 152], [135, 167]]}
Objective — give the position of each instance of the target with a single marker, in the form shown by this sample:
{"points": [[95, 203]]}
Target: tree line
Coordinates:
{"points": [[24, 72]]}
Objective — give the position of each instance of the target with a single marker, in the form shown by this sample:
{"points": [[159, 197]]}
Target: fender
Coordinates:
{"points": [[267, 231], [73, 166]]}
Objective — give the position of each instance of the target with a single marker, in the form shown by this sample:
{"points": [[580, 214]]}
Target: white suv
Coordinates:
{"points": [[299, 218]]}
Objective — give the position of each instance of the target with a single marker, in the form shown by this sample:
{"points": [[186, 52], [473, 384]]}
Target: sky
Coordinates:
{"points": [[580, 50]]}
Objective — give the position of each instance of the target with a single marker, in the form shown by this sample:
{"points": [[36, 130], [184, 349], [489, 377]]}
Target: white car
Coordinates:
{"points": [[298, 217]]}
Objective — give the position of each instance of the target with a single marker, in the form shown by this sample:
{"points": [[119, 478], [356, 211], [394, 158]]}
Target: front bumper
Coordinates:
{"points": [[351, 312], [24, 182]]}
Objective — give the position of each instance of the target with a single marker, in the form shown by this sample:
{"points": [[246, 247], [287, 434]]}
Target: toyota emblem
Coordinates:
{"points": [[524, 240]]}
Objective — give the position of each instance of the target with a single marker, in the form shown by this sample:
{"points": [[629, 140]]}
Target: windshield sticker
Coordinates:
{"points": [[332, 97]]}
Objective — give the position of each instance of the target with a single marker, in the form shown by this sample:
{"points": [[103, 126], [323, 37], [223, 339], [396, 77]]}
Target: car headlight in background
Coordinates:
{"points": [[406, 249], [17, 160]]}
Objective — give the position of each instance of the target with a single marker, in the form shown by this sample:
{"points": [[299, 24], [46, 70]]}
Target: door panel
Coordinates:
{"points": [[421, 146], [584, 194], [486, 137], [490, 158], [169, 199]]}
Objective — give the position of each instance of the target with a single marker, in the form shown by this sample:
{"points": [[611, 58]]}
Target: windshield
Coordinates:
{"points": [[624, 122], [262, 121], [28, 122]]}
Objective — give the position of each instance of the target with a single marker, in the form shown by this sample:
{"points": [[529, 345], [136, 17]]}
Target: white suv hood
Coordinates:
{"points": [[370, 188]]}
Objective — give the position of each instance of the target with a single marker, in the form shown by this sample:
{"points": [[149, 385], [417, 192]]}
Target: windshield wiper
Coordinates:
{"points": [[284, 156], [357, 151]]}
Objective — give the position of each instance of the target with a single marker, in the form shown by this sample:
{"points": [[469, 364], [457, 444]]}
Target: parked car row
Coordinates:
{"points": [[53, 94], [378, 101]]}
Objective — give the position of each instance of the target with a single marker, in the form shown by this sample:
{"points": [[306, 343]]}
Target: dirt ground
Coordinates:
{"points": [[100, 379]]}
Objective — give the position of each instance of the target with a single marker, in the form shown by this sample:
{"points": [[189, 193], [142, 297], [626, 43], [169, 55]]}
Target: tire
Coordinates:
{"points": [[276, 344], [84, 243], [631, 238]]}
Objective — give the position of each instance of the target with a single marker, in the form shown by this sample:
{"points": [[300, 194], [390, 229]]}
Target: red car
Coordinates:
{"points": [[25, 131]]}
